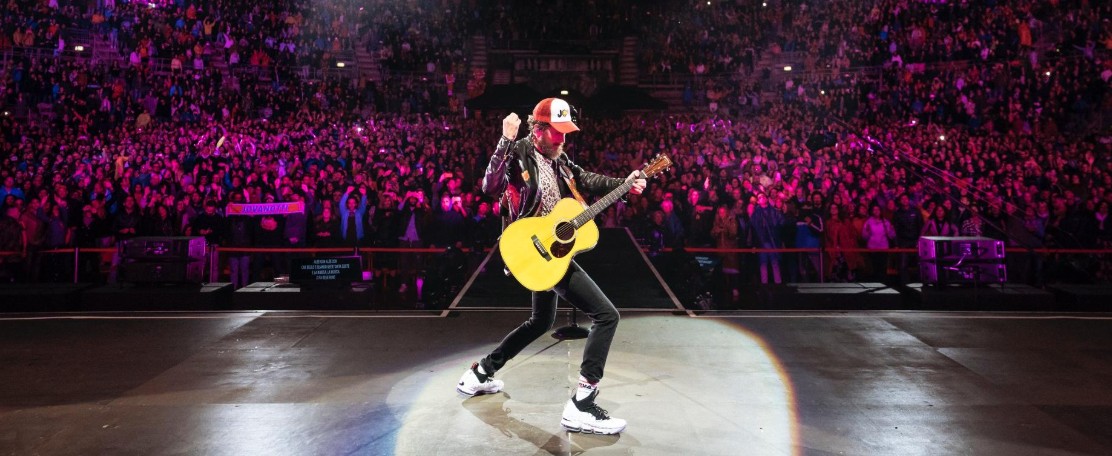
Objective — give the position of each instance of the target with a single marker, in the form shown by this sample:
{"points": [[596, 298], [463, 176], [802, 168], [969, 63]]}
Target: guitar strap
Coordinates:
{"points": [[565, 172]]}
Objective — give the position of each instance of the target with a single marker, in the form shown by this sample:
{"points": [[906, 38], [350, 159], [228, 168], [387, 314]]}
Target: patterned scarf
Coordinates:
{"points": [[550, 189]]}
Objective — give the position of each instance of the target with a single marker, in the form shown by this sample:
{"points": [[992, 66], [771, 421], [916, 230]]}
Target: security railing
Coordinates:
{"points": [[1088, 265]]}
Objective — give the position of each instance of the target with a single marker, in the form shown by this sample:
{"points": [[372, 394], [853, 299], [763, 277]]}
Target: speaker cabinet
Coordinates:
{"points": [[952, 249], [162, 271], [178, 248], [174, 259], [964, 273]]}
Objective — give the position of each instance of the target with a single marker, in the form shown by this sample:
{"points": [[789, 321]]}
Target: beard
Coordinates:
{"points": [[548, 149]]}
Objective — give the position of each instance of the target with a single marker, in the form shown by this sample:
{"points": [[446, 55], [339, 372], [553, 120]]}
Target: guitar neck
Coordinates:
{"points": [[593, 210]]}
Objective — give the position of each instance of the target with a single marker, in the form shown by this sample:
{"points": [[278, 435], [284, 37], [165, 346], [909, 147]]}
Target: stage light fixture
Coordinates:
{"points": [[79, 48], [339, 64], [787, 67], [563, 92]]}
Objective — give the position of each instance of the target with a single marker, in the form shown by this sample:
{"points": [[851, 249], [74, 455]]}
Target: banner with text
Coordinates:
{"points": [[265, 208]]}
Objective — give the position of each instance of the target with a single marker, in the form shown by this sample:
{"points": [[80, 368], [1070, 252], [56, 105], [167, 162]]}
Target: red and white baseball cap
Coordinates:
{"points": [[555, 112]]}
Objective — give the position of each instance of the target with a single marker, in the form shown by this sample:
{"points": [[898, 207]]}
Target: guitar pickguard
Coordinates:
{"points": [[560, 250]]}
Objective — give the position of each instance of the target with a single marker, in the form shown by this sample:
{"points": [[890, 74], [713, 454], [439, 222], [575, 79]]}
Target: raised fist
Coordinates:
{"points": [[510, 126]]}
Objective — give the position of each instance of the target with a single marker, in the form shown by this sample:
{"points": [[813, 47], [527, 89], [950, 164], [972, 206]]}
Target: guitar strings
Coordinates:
{"points": [[561, 230]]}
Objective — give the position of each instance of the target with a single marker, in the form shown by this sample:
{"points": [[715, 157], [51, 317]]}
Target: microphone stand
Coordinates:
{"points": [[572, 330]]}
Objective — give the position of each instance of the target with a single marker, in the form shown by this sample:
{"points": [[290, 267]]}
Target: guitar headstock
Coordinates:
{"points": [[658, 164]]}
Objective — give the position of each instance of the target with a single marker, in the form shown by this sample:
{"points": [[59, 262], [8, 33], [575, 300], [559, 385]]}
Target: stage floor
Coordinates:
{"points": [[868, 383]]}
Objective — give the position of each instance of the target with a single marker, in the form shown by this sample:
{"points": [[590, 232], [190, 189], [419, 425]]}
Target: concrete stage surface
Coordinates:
{"points": [[257, 383]]}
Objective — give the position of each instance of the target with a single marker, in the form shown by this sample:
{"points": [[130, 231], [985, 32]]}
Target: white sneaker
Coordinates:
{"points": [[587, 417], [473, 382]]}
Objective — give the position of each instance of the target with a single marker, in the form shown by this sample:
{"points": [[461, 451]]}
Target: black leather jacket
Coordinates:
{"points": [[512, 176]]}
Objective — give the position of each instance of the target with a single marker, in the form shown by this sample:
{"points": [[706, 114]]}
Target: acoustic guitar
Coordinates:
{"points": [[539, 250]]}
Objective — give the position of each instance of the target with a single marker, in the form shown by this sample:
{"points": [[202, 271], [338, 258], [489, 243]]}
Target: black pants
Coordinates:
{"points": [[581, 291]]}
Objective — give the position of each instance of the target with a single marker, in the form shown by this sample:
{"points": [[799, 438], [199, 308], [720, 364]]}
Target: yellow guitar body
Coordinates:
{"points": [[539, 250]]}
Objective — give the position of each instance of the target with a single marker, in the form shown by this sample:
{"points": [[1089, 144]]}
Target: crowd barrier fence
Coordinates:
{"points": [[215, 254]]}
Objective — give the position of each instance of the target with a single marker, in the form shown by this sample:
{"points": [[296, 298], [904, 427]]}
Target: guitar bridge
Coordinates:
{"points": [[540, 249]]}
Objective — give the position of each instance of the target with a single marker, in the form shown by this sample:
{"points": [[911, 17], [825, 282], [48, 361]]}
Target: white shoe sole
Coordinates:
{"points": [[573, 426], [477, 392]]}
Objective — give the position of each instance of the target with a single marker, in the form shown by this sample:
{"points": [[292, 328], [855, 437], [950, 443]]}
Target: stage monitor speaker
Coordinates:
{"points": [[972, 273], [965, 249], [151, 271], [167, 259]]}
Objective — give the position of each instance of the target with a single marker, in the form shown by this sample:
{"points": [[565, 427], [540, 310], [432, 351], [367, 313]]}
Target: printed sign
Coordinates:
{"points": [[337, 270]]}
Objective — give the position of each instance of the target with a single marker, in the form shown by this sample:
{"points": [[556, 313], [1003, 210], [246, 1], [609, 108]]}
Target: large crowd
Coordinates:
{"points": [[725, 37], [1000, 146]]}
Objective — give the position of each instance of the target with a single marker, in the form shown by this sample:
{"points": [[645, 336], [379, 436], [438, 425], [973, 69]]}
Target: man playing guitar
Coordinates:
{"points": [[531, 175]]}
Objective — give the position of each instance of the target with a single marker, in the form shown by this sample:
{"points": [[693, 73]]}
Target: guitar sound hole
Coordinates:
{"points": [[565, 232]]}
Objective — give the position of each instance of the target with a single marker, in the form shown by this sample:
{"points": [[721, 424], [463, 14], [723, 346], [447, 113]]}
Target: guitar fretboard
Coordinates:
{"points": [[593, 210]]}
